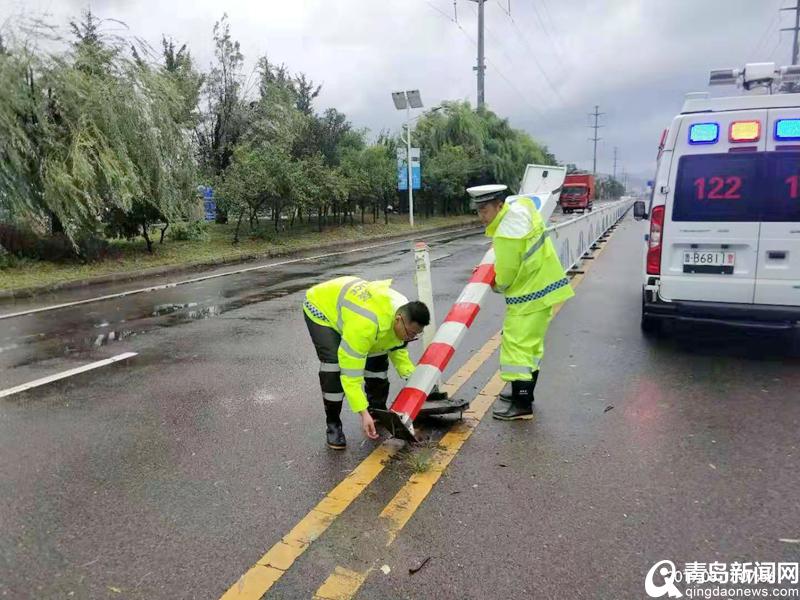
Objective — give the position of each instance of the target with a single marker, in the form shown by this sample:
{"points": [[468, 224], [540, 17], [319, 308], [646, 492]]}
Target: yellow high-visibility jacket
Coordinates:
{"points": [[527, 269], [362, 312]]}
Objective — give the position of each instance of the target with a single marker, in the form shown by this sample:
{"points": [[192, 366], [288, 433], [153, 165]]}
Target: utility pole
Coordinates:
{"points": [[597, 114], [481, 68], [795, 29], [615, 163]]}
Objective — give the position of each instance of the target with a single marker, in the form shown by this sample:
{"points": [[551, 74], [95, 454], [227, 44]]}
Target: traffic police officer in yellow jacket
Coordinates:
{"points": [[356, 327], [530, 276]]}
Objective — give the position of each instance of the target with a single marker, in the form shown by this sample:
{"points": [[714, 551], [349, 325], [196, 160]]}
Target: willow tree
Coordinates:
{"points": [[89, 135], [462, 146]]}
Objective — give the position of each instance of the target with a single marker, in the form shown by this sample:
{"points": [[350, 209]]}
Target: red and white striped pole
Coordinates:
{"points": [[399, 420]]}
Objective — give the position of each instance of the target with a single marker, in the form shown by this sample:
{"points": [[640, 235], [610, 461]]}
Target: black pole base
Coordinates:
{"points": [[390, 420], [444, 406]]}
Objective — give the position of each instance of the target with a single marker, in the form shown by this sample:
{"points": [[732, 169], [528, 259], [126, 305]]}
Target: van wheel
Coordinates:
{"points": [[563, 210]]}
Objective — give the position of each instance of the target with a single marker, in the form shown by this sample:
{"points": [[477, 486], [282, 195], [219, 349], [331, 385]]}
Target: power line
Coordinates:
{"points": [[552, 25], [440, 11], [547, 14], [767, 31], [778, 45], [775, 20], [546, 31], [795, 29], [532, 53], [513, 87], [494, 66], [496, 39]]}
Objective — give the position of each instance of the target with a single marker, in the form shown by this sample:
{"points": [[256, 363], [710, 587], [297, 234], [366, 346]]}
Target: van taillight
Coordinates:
{"points": [[654, 243]]}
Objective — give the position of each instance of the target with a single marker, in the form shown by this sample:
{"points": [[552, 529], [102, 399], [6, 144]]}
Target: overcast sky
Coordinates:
{"points": [[549, 62]]}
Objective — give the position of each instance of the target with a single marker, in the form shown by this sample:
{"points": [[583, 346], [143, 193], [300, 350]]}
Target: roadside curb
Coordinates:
{"points": [[186, 268]]}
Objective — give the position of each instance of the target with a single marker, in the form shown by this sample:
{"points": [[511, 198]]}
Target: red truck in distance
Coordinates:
{"points": [[577, 193]]}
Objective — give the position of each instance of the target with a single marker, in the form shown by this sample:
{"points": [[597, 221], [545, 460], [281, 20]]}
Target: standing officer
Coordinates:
{"points": [[530, 276], [354, 324]]}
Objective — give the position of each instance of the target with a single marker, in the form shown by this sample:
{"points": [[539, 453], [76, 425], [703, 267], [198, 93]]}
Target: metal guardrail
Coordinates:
{"points": [[574, 238]]}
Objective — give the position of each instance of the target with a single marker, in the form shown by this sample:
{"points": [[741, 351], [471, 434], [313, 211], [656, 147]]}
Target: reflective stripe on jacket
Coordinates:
{"points": [[362, 312], [527, 269]]}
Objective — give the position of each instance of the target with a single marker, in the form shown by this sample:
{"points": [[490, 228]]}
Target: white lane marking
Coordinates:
{"points": [[207, 277], [65, 374], [441, 257]]}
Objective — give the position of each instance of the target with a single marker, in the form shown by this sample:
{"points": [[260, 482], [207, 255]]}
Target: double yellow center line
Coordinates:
{"points": [[278, 559]]}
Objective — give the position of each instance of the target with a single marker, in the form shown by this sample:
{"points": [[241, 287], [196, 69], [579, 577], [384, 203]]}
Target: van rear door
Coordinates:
{"points": [[778, 274], [710, 239]]}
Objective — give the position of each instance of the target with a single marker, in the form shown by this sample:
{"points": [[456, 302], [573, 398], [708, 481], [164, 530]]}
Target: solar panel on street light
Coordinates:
{"points": [[400, 102], [414, 99]]}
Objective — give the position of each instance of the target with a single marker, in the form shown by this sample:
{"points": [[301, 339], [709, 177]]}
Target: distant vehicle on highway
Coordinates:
{"points": [[578, 192], [724, 241]]}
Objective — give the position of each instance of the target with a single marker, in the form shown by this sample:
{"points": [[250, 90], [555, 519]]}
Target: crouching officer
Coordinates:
{"points": [[530, 276], [356, 327]]}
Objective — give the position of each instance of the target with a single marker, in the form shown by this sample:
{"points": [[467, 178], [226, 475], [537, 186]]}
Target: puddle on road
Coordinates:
{"points": [[166, 309], [159, 316]]}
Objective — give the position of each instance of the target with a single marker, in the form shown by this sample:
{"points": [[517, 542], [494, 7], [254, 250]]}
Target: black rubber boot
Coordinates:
{"points": [[521, 405], [333, 432], [503, 399], [506, 393]]}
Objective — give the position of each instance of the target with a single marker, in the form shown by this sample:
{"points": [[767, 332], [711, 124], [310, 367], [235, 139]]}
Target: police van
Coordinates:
{"points": [[724, 240]]}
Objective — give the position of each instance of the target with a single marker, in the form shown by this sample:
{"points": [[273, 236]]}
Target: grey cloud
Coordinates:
{"points": [[634, 58]]}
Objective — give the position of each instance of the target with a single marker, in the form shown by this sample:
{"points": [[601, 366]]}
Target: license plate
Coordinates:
{"points": [[698, 261]]}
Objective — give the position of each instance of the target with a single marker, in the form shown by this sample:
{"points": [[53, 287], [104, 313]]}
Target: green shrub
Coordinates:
{"points": [[195, 231]]}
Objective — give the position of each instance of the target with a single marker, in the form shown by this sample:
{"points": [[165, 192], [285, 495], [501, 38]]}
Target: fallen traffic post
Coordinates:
{"points": [[399, 420], [437, 403]]}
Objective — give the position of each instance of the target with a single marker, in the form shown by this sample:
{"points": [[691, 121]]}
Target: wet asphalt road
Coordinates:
{"points": [[169, 475]]}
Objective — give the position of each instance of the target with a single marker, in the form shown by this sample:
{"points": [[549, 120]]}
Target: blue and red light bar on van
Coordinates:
{"points": [[704, 133], [787, 129]]}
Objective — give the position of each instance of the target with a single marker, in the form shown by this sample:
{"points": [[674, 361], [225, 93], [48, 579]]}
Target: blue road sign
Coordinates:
{"points": [[402, 169]]}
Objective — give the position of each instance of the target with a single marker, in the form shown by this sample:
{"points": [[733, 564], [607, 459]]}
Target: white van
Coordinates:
{"points": [[724, 241]]}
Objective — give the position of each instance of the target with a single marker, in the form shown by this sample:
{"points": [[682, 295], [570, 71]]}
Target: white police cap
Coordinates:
{"points": [[484, 193]]}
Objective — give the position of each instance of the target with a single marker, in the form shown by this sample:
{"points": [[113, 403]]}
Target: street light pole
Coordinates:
{"points": [[408, 168], [407, 100]]}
